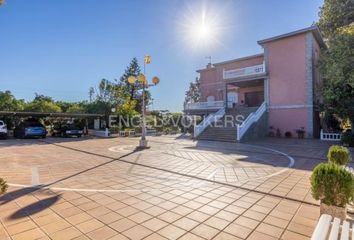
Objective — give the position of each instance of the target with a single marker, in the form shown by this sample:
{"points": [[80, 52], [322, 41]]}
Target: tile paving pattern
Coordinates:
{"points": [[178, 189]]}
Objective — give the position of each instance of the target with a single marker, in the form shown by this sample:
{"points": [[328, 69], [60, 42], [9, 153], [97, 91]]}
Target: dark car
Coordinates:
{"points": [[67, 130], [28, 129]]}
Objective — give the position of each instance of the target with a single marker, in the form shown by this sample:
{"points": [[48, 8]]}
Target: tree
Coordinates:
{"points": [[336, 63], [9, 103], [132, 70], [193, 94], [337, 67], [134, 91], [42, 103], [335, 14]]}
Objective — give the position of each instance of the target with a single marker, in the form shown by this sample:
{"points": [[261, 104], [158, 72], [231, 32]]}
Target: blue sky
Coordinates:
{"points": [[61, 48]]}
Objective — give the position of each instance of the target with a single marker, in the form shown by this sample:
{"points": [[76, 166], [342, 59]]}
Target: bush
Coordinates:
{"points": [[338, 155], [332, 184], [3, 186], [348, 138]]}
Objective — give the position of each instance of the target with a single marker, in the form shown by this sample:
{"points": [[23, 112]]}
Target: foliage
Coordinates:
{"points": [[338, 155], [335, 14], [127, 109], [9, 103], [193, 94], [348, 138], [336, 64], [42, 103], [332, 184], [331, 121], [133, 91], [300, 132], [3, 186]]}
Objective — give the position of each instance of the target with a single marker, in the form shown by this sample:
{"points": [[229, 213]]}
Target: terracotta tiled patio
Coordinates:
{"points": [[178, 189]]}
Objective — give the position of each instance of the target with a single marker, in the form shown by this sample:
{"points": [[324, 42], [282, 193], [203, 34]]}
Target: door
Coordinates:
{"points": [[210, 101], [254, 99], [232, 99]]}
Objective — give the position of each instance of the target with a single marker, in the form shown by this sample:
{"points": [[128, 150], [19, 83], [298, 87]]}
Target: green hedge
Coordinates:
{"points": [[332, 184], [338, 155]]}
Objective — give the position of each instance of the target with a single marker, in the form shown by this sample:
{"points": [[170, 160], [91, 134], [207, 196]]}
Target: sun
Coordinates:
{"points": [[200, 29]]}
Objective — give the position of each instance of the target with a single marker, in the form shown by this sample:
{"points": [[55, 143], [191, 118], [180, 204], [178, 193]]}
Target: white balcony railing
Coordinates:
{"points": [[204, 105], [242, 72]]}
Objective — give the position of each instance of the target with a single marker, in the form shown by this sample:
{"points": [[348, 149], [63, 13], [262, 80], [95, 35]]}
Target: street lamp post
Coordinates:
{"points": [[141, 79]]}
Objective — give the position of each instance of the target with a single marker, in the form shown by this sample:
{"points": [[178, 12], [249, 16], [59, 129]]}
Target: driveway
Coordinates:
{"points": [[178, 189]]}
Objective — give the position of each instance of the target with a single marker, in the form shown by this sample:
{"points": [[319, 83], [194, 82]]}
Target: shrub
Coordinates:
{"points": [[332, 184], [300, 132], [288, 134], [3, 186], [348, 138], [338, 155]]}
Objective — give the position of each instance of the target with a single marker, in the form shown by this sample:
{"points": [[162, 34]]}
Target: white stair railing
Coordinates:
{"points": [[211, 118], [252, 118]]}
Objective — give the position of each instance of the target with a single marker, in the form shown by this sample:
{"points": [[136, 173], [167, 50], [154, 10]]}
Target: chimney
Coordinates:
{"points": [[209, 66]]}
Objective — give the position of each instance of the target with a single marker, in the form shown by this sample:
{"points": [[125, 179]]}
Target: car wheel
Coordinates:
{"points": [[79, 136], [44, 136]]}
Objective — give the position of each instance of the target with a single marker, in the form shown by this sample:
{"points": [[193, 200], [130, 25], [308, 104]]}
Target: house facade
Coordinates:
{"points": [[284, 78]]}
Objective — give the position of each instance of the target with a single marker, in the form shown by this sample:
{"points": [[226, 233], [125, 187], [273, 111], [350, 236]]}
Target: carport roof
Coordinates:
{"points": [[47, 114]]}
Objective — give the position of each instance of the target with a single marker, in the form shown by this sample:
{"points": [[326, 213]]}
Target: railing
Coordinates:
{"points": [[198, 129], [247, 71], [330, 136], [252, 118], [204, 105]]}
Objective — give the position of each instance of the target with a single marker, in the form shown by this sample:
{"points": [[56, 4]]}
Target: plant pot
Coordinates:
{"points": [[334, 211]]}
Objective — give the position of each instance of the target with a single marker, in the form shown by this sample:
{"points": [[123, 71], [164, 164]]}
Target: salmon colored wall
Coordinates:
{"points": [[288, 119], [287, 83], [211, 80], [209, 85], [287, 70]]}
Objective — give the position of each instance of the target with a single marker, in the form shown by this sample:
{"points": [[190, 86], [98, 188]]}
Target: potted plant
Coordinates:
{"points": [[338, 155], [3, 186], [300, 132], [288, 134], [333, 186], [271, 132], [278, 133]]}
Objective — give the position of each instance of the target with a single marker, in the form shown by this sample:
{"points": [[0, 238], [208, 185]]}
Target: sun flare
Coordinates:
{"points": [[201, 28]]}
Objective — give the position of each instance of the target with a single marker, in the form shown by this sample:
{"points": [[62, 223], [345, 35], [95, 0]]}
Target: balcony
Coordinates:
{"points": [[244, 72], [211, 105]]}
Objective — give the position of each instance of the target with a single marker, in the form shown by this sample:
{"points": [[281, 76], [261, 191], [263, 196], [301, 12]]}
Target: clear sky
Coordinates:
{"points": [[61, 48]]}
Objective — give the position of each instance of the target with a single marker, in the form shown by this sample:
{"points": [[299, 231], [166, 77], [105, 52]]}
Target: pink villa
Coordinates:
{"points": [[273, 90]]}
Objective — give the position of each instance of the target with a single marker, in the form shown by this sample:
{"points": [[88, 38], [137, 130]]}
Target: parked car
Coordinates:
{"points": [[30, 129], [66, 130], [3, 129]]}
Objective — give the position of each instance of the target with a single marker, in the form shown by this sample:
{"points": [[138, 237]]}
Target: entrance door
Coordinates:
{"points": [[232, 99], [254, 99], [210, 101]]}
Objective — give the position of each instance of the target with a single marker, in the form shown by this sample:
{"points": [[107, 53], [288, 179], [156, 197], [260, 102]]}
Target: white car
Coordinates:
{"points": [[3, 129]]}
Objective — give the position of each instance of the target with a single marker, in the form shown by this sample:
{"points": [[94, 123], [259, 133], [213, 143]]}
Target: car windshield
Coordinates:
{"points": [[73, 126]]}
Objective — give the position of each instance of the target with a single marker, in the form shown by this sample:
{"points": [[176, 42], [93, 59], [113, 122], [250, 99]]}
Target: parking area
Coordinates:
{"points": [[91, 188]]}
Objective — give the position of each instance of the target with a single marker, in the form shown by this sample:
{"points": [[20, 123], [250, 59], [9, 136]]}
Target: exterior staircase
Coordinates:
{"points": [[224, 129]]}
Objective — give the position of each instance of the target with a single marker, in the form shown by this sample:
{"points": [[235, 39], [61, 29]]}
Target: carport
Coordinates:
{"points": [[86, 116]]}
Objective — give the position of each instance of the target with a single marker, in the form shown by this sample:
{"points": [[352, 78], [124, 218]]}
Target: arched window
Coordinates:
{"points": [[210, 100]]}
